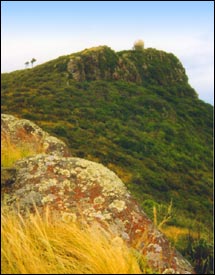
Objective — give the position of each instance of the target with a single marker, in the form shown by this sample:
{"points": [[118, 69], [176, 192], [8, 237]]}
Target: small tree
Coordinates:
{"points": [[26, 64], [32, 61], [138, 45]]}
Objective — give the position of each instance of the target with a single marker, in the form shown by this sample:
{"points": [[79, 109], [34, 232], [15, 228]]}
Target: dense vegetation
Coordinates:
{"points": [[136, 113]]}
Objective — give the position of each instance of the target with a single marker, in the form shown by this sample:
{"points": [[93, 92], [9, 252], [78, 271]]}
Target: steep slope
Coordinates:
{"points": [[78, 189], [133, 111]]}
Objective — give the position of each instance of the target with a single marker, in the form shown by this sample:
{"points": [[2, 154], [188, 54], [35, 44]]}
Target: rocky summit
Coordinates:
{"points": [[132, 66], [74, 188]]}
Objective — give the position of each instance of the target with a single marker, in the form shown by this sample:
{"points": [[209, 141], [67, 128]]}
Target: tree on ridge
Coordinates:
{"points": [[26, 64], [32, 61]]}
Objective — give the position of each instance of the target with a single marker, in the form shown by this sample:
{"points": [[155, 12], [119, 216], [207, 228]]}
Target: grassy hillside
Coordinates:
{"points": [[136, 113]]}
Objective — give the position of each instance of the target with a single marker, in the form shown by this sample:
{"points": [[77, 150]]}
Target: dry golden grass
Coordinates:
{"points": [[46, 246], [174, 233], [10, 152]]}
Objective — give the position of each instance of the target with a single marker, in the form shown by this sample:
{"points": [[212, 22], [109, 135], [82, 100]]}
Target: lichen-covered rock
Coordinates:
{"points": [[75, 188], [22, 132]]}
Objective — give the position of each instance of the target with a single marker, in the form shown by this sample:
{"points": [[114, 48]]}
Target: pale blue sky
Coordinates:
{"points": [[48, 29]]}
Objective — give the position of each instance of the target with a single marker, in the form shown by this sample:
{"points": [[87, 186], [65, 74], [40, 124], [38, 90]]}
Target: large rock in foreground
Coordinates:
{"points": [[75, 188]]}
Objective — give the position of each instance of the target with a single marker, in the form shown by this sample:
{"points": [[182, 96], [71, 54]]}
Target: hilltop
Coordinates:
{"points": [[133, 111], [149, 66]]}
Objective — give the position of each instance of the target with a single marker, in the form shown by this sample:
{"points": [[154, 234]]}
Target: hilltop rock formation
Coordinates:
{"points": [[75, 188], [147, 66]]}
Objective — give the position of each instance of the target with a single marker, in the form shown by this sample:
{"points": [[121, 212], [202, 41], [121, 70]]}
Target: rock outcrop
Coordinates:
{"points": [[142, 67], [75, 188], [21, 132]]}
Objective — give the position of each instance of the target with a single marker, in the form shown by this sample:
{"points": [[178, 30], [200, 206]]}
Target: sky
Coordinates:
{"points": [[45, 30]]}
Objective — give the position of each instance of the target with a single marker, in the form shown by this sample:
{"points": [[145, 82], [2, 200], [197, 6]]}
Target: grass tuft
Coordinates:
{"points": [[43, 245], [10, 152]]}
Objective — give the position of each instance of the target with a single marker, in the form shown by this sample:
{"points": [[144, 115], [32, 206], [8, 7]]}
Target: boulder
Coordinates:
{"points": [[23, 132], [75, 188], [78, 189]]}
